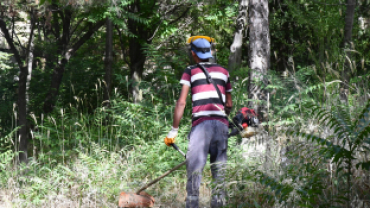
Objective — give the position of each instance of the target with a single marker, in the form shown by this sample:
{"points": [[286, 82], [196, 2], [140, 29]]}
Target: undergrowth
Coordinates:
{"points": [[84, 159]]}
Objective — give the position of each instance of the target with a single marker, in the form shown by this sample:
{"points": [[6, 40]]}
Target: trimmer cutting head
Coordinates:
{"points": [[141, 198], [129, 200]]}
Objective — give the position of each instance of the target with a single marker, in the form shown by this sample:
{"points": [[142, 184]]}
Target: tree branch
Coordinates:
{"points": [[66, 29], [84, 38], [6, 50], [122, 48], [9, 40], [18, 41], [77, 24], [179, 17], [155, 31], [53, 9], [59, 69], [173, 21], [32, 31]]}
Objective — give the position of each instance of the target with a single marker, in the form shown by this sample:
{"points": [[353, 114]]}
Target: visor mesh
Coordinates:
{"points": [[203, 50]]}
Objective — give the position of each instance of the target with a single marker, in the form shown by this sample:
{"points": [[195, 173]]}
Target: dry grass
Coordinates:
{"points": [[92, 181]]}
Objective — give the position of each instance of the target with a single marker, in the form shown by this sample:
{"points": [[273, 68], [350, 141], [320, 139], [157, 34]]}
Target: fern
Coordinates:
{"points": [[350, 136]]}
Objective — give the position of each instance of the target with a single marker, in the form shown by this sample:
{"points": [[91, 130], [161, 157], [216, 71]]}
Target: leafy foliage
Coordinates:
{"points": [[88, 150]]}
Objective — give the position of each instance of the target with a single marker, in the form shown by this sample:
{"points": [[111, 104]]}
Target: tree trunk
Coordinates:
{"points": [[108, 58], [350, 14], [66, 53], [29, 69], [347, 42], [56, 80], [259, 56], [24, 97], [235, 58], [137, 60], [144, 34], [23, 83], [62, 43], [135, 86], [22, 114], [136, 53]]}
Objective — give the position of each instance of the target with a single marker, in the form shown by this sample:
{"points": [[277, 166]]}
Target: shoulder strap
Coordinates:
{"points": [[209, 80]]}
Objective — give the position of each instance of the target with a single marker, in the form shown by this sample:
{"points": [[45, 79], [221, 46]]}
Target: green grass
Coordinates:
{"points": [[85, 159]]}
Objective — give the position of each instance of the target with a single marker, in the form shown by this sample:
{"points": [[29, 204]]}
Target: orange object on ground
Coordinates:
{"points": [[135, 200], [141, 198]]}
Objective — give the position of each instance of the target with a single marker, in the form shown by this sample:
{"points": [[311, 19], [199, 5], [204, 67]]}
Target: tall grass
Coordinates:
{"points": [[323, 159], [85, 159]]}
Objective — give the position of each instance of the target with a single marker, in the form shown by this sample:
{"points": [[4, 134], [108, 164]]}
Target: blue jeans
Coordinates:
{"points": [[210, 136]]}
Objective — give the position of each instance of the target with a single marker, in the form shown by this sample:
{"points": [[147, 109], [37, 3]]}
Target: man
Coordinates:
{"points": [[209, 133]]}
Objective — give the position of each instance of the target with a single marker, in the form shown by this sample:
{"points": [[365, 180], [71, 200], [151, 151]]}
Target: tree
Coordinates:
{"points": [[235, 58], [147, 19], [136, 48], [108, 58], [24, 61], [259, 55], [26, 55], [347, 42], [67, 42]]}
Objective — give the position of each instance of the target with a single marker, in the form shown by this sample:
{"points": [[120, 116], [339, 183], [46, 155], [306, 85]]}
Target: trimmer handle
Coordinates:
{"points": [[234, 132], [177, 148]]}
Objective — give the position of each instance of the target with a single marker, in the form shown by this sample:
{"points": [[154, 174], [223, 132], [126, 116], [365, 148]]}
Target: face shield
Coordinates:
{"points": [[212, 41]]}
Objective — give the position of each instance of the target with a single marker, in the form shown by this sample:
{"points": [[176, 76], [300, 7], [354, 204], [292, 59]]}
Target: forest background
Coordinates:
{"points": [[87, 91]]}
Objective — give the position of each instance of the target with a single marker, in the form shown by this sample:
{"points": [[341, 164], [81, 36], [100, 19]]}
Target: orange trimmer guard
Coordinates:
{"points": [[129, 200]]}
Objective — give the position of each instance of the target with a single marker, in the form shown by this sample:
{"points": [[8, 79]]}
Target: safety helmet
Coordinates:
{"points": [[192, 44]]}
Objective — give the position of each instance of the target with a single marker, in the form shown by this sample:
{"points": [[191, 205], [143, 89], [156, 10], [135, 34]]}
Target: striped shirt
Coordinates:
{"points": [[204, 96]]}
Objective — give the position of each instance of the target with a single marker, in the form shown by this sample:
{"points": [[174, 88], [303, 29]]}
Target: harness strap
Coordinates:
{"points": [[209, 80]]}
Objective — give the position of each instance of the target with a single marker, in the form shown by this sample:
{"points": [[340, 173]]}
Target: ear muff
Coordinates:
{"points": [[192, 38]]}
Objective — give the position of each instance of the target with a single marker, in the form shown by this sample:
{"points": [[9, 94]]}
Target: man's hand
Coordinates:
{"points": [[170, 139]]}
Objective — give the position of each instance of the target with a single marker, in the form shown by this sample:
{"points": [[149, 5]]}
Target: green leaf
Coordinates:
{"points": [[256, 204], [364, 165]]}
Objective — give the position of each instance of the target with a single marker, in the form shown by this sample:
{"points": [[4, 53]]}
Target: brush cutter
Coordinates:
{"points": [[141, 198]]}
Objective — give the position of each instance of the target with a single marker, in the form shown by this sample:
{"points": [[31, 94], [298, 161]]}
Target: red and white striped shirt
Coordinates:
{"points": [[204, 96]]}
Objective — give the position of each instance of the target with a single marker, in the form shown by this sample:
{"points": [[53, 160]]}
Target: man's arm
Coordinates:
{"points": [[228, 104], [180, 106]]}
